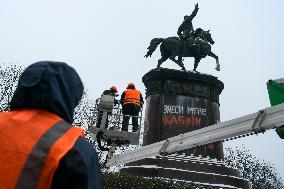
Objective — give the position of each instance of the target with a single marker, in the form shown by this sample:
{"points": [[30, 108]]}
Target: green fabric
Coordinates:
{"points": [[276, 96], [275, 92], [280, 132]]}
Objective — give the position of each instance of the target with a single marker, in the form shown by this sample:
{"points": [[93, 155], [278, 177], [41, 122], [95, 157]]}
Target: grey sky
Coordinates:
{"points": [[106, 41]]}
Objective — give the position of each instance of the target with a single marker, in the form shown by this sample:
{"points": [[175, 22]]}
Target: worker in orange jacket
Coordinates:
{"points": [[39, 147], [132, 102]]}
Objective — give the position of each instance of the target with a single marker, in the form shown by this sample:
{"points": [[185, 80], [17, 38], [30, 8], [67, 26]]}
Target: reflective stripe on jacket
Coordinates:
{"points": [[32, 143], [132, 96]]}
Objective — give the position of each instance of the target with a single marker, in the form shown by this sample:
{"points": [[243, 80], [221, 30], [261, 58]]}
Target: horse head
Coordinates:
{"points": [[209, 38]]}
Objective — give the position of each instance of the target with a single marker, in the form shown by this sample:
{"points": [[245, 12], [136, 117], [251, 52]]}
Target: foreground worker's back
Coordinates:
{"points": [[32, 145], [39, 148]]}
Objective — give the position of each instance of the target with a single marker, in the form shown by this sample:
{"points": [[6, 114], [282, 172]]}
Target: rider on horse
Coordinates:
{"points": [[186, 32]]}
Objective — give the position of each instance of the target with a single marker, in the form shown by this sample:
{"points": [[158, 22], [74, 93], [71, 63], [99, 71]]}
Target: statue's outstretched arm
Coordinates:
{"points": [[193, 14]]}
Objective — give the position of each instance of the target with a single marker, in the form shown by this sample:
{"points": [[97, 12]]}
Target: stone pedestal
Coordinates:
{"points": [[178, 102]]}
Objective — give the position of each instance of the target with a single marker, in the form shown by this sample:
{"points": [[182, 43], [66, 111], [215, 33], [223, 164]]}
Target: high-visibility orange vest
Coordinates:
{"points": [[132, 96], [32, 143]]}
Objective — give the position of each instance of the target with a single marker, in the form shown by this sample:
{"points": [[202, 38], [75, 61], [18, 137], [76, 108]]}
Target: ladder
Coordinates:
{"points": [[269, 118]]}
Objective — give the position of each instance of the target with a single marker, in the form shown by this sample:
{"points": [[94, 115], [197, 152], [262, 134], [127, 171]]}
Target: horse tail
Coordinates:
{"points": [[153, 45]]}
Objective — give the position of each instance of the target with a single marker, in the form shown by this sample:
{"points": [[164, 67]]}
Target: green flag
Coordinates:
{"points": [[276, 96], [275, 92]]}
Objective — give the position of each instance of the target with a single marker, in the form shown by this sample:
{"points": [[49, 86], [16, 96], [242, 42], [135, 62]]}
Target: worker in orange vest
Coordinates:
{"points": [[132, 102], [39, 147]]}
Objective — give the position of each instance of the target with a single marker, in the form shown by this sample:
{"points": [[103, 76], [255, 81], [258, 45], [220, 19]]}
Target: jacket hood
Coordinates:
{"points": [[52, 86]]}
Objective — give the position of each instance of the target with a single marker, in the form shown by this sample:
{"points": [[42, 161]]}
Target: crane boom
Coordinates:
{"points": [[260, 121]]}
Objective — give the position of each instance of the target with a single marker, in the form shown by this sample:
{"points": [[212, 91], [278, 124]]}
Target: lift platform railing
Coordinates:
{"points": [[114, 118]]}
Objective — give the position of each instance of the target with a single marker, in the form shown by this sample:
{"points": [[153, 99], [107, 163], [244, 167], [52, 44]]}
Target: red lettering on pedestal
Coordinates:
{"points": [[178, 120], [173, 120], [196, 122], [188, 121], [166, 120], [181, 120]]}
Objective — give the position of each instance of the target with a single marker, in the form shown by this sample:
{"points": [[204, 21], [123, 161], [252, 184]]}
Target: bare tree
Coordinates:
{"points": [[9, 76], [84, 112], [261, 174]]}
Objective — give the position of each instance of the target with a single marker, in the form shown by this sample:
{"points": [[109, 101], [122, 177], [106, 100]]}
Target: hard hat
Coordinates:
{"points": [[114, 89], [130, 85]]}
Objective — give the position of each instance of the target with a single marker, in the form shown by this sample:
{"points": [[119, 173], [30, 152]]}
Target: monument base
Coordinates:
{"points": [[194, 169], [179, 102]]}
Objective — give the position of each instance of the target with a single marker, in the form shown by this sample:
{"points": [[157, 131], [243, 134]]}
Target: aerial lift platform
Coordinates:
{"points": [[106, 126]]}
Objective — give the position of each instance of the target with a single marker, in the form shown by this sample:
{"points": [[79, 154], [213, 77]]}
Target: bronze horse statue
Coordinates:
{"points": [[198, 47]]}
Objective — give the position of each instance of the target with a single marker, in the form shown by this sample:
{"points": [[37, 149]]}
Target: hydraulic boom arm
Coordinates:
{"points": [[260, 121]]}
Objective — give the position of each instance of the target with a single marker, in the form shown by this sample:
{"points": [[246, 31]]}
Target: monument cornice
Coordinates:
{"points": [[186, 83]]}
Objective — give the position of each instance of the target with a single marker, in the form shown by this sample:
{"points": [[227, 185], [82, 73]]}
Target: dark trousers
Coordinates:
{"points": [[125, 123], [130, 110]]}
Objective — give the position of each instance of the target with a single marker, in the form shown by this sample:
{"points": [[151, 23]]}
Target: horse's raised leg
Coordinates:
{"points": [[196, 62], [180, 63], [216, 58]]}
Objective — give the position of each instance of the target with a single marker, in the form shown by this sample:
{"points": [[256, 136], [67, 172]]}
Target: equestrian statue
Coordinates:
{"points": [[189, 43]]}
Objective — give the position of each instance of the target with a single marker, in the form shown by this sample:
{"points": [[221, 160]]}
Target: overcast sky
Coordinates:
{"points": [[106, 41]]}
